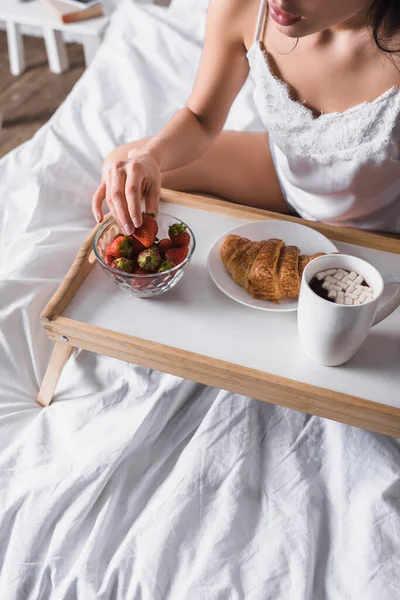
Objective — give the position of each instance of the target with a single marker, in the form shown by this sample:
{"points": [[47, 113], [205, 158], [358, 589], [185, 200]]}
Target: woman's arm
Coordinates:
{"points": [[131, 173]]}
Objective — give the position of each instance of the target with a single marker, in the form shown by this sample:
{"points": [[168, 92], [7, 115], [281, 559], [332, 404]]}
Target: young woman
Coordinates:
{"points": [[326, 76]]}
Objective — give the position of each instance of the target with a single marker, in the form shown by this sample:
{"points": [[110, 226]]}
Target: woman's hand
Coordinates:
{"points": [[124, 184]]}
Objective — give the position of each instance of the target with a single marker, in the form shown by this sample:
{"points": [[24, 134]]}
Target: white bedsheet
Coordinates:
{"points": [[139, 485]]}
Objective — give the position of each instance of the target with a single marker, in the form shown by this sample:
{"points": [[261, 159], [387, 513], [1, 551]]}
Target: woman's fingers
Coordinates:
{"points": [[109, 200], [97, 201], [124, 184], [133, 192], [118, 183], [153, 197]]}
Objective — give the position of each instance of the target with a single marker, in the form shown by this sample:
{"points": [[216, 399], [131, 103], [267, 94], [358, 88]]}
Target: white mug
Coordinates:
{"points": [[330, 333]]}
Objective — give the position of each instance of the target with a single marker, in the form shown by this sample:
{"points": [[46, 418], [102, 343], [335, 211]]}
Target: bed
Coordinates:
{"points": [[139, 485]]}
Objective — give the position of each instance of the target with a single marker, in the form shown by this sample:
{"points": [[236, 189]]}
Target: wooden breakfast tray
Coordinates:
{"points": [[196, 332]]}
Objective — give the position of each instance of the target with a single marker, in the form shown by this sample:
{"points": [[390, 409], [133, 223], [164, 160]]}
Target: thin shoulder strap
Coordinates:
{"points": [[260, 22]]}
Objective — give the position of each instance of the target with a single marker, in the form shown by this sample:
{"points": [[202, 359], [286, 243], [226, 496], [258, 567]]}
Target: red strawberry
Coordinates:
{"points": [[118, 235], [166, 265], [140, 283], [147, 232], [137, 246], [124, 264], [164, 245], [121, 247], [178, 254], [178, 235], [109, 260], [149, 259]]}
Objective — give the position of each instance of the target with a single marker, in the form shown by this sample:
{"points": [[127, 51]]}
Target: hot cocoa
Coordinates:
{"points": [[342, 287]]}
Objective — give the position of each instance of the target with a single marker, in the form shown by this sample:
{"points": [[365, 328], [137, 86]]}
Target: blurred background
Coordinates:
{"points": [[28, 100]]}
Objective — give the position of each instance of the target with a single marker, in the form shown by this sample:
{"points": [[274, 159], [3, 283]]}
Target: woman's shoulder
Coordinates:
{"points": [[239, 17]]}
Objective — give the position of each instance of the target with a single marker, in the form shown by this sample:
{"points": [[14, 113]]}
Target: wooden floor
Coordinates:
{"points": [[28, 101]]}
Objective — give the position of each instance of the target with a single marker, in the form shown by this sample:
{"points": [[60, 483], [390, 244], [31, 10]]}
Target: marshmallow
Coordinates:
{"points": [[338, 276], [321, 275], [345, 287]]}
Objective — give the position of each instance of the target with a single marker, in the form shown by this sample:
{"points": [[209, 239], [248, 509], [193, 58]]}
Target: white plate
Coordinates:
{"points": [[308, 240]]}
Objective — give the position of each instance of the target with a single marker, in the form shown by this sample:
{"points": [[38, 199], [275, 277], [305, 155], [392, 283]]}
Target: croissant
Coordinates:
{"points": [[268, 270]]}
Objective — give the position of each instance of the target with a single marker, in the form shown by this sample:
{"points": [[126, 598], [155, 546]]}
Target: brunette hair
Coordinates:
{"points": [[384, 19]]}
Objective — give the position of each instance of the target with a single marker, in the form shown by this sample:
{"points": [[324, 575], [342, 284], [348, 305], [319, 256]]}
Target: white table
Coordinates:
{"points": [[17, 14]]}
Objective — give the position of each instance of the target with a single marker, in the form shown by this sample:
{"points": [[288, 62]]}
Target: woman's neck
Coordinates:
{"points": [[356, 23]]}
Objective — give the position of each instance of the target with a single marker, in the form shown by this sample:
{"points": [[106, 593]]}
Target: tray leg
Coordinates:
{"points": [[59, 357]]}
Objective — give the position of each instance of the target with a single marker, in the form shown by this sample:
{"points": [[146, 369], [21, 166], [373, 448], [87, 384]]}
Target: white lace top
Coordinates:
{"points": [[340, 168]]}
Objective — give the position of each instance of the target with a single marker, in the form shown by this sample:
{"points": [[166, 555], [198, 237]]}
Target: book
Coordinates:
{"points": [[68, 13]]}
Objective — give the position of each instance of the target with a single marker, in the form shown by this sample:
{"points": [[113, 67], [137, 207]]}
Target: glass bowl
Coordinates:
{"points": [[149, 285]]}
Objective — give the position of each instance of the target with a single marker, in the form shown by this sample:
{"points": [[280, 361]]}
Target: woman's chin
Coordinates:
{"points": [[285, 31], [295, 31]]}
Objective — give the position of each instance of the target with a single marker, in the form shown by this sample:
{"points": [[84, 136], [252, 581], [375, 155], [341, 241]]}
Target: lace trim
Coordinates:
{"points": [[358, 132]]}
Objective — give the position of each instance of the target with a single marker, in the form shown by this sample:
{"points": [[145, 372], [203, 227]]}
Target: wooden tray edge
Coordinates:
{"points": [[289, 393], [79, 270], [341, 234]]}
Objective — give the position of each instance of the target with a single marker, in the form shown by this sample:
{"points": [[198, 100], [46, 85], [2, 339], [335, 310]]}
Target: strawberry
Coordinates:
{"points": [[166, 265], [124, 264], [147, 232], [118, 235], [178, 235], [140, 283], [177, 255], [164, 245], [109, 260], [140, 271], [137, 246], [121, 247], [108, 249], [149, 260]]}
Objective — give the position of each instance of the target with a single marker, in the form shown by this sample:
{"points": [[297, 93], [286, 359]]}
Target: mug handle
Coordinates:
{"points": [[393, 302]]}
